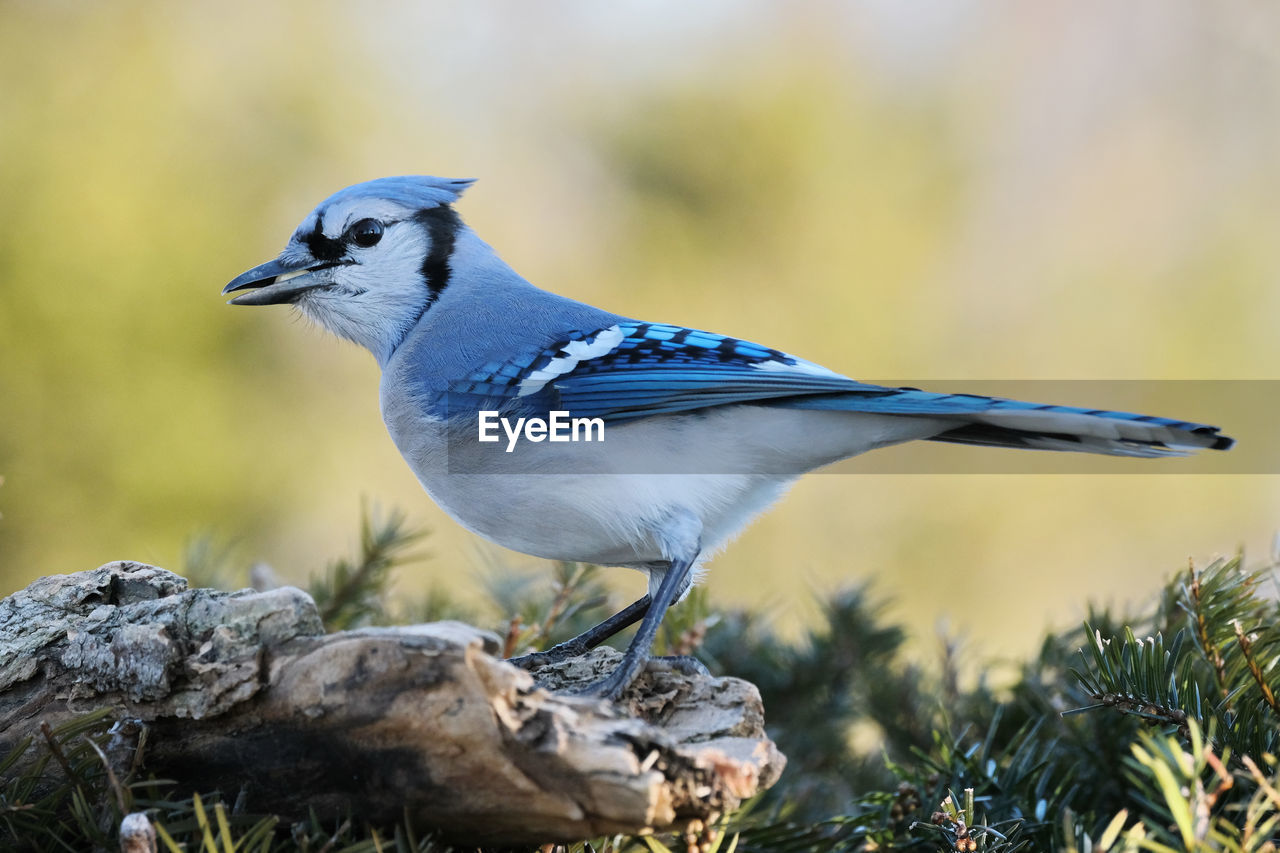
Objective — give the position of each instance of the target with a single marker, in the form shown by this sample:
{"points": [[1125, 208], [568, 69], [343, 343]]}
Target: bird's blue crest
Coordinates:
{"points": [[416, 191]]}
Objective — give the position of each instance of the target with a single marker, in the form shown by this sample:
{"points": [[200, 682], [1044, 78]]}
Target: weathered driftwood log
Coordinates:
{"points": [[244, 692]]}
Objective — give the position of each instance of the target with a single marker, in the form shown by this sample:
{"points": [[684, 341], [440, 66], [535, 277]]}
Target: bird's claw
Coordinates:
{"points": [[611, 687], [553, 655], [683, 664]]}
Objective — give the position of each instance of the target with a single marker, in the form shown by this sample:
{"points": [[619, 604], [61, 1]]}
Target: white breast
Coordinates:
{"points": [[604, 502]]}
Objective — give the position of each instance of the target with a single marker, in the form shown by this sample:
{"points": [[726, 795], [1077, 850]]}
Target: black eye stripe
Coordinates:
{"points": [[323, 248], [326, 248]]}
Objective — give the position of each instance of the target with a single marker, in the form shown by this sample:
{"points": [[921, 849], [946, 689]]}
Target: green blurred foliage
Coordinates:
{"points": [[1060, 191]]}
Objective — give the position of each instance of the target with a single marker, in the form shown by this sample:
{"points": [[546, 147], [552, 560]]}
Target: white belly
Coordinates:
{"points": [[604, 502]]}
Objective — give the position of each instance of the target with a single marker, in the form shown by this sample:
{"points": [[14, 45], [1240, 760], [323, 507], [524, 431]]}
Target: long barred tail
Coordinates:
{"points": [[1086, 431], [996, 422]]}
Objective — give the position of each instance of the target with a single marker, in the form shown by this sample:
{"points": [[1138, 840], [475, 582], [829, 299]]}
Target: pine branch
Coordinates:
{"points": [[1197, 608], [577, 600], [1142, 678], [351, 592], [1214, 671], [1255, 670]]}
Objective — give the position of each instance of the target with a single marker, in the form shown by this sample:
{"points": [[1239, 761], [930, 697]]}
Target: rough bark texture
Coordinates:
{"points": [[245, 691]]}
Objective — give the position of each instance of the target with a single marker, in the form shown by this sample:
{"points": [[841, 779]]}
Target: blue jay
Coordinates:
{"points": [[701, 432]]}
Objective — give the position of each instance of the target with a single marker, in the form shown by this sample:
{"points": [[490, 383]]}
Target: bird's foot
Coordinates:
{"points": [[555, 654], [683, 664], [608, 688], [612, 686]]}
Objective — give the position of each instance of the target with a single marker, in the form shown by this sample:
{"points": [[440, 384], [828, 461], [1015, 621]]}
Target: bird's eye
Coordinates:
{"points": [[365, 233]]}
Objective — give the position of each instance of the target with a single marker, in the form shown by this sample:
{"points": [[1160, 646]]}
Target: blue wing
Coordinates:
{"points": [[637, 370]]}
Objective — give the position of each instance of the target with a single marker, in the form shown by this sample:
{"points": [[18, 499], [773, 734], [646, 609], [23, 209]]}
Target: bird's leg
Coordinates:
{"points": [[684, 664], [587, 640], [637, 654]]}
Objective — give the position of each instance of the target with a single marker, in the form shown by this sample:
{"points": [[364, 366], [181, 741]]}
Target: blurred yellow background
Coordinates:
{"points": [[936, 190]]}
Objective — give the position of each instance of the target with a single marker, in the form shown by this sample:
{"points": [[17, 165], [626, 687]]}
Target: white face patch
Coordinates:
{"points": [[575, 352], [374, 300], [338, 218]]}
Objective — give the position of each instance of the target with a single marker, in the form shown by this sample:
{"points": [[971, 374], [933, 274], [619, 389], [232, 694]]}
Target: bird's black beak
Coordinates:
{"points": [[276, 282]]}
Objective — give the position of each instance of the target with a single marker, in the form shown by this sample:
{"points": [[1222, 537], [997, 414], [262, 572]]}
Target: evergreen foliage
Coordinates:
{"points": [[1152, 731], [351, 592]]}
